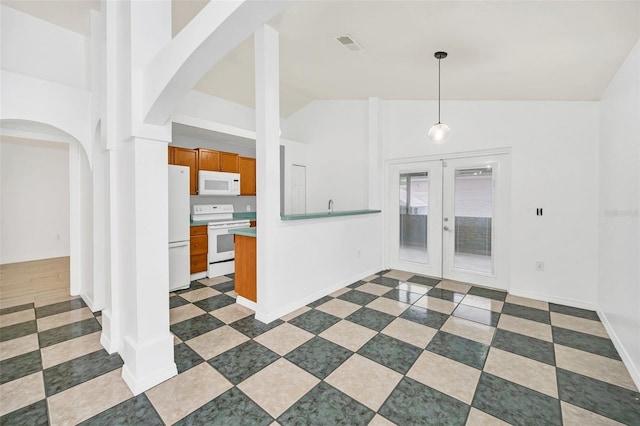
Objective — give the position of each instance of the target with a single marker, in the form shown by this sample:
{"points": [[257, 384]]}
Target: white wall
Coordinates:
{"points": [[553, 166], [335, 133], [34, 178], [619, 224], [36, 48], [200, 105]]}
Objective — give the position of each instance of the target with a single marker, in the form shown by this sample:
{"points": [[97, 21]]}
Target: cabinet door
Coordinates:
{"points": [[172, 155], [199, 244], [247, 176], [229, 162], [188, 157], [208, 160]]}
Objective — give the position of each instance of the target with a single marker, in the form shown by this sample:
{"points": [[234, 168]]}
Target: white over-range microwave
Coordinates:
{"points": [[218, 183]]}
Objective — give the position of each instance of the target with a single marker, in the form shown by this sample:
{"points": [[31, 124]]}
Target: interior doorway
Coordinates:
{"points": [[449, 218]]}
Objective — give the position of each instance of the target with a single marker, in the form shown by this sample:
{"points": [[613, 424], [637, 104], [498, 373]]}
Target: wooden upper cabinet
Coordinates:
{"points": [[218, 161], [186, 157], [229, 162], [208, 159], [247, 176]]}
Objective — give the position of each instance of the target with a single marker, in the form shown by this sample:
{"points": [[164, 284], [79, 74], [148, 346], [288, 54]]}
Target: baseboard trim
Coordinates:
{"points": [[138, 386], [246, 303], [634, 370], [272, 316], [576, 303]]}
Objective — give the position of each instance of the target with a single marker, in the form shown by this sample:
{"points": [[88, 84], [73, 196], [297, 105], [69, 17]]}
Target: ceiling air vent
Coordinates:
{"points": [[349, 43]]}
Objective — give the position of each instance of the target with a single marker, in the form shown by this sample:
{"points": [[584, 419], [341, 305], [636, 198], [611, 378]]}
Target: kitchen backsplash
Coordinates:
{"points": [[240, 202]]}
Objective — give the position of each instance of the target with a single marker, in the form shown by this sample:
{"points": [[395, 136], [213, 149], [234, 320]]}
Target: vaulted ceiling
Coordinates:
{"points": [[498, 50]]}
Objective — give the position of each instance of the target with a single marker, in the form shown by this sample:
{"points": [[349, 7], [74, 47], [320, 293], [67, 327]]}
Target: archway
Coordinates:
{"points": [[43, 139]]}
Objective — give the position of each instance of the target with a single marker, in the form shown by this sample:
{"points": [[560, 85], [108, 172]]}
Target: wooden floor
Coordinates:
{"points": [[40, 282]]}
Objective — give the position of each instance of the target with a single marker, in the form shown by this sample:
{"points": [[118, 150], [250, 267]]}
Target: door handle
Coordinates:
{"points": [[446, 228]]}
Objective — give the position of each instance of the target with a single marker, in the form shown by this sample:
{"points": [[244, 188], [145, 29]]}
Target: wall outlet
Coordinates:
{"points": [[539, 265]]}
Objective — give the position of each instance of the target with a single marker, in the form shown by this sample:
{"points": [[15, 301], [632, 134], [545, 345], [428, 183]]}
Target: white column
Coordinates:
{"points": [[267, 75], [376, 183], [136, 322]]}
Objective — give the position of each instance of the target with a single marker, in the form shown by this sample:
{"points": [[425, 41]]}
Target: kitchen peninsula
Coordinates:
{"points": [[246, 251]]}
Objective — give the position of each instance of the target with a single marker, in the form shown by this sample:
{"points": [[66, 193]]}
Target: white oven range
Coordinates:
{"points": [[221, 253]]}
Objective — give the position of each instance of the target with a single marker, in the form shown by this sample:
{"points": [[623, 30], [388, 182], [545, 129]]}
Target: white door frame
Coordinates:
{"points": [[502, 234]]}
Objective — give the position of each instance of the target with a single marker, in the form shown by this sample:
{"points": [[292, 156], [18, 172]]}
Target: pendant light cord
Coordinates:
{"points": [[438, 90]]}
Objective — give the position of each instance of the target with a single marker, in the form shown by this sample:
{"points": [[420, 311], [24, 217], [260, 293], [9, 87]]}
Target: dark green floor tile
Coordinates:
{"points": [[393, 353], [251, 327], [232, 408], [79, 370], [459, 349], [620, 404], [320, 301], [134, 411], [231, 275], [482, 316], [402, 296], [526, 312], [585, 342], [225, 287], [175, 301], [20, 366], [68, 332], [32, 415], [371, 318], [243, 361], [389, 282], [412, 403], [488, 293], [325, 405], [356, 284], [526, 346], [314, 321], [448, 295], [319, 356], [384, 271], [194, 327], [18, 308], [418, 279], [576, 312], [58, 308], [426, 317], [185, 357], [358, 297], [515, 404], [14, 331], [216, 302]]}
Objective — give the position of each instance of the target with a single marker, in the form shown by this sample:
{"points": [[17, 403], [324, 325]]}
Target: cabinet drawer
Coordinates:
{"points": [[198, 263], [199, 244], [198, 230]]}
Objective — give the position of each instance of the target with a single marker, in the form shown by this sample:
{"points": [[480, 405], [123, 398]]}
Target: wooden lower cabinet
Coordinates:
{"points": [[199, 249], [245, 278]]}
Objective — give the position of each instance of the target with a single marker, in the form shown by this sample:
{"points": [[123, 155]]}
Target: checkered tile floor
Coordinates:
{"points": [[395, 348]]}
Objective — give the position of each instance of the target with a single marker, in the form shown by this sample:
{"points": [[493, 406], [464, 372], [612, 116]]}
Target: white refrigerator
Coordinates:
{"points": [[179, 248]]}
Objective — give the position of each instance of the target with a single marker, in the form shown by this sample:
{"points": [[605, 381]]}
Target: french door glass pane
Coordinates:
{"points": [[414, 206], [473, 200]]}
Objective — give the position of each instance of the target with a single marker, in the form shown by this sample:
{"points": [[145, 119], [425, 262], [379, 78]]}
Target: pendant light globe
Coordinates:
{"points": [[439, 132]]}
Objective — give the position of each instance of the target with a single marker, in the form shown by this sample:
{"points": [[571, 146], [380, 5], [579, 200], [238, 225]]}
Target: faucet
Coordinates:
{"points": [[330, 206]]}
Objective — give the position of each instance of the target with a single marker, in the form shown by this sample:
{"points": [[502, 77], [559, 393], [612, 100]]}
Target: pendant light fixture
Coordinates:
{"points": [[439, 132]]}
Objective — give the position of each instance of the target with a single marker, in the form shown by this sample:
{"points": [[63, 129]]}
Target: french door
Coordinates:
{"points": [[448, 218]]}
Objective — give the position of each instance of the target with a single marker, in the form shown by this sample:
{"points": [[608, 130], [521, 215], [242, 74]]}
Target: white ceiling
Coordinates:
{"points": [[498, 50]]}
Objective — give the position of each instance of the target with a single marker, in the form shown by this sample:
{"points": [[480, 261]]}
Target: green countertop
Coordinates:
{"points": [[326, 214], [201, 223], [247, 232]]}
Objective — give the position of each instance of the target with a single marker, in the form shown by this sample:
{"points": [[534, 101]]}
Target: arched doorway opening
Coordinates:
{"points": [[46, 214]]}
